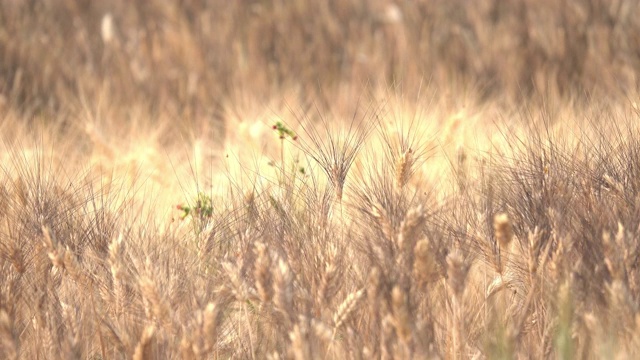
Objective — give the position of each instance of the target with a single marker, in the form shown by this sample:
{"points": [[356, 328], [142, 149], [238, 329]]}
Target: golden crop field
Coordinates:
{"points": [[308, 179]]}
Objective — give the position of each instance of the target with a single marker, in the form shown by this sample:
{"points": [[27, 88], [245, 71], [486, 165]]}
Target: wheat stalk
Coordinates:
{"points": [[401, 314], [384, 222], [240, 288], [329, 276], [210, 325], [283, 285], [54, 251], [143, 349], [7, 341], [457, 270], [155, 304], [74, 269], [299, 337], [116, 248], [387, 339], [409, 228], [374, 290], [424, 266], [503, 232], [188, 349], [346, 308], [262, 273], [403, 168], [17, 259]]}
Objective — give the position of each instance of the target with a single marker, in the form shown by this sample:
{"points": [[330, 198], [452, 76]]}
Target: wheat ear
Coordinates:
{"points": [[346, 308], [503, 232], [457, 270], [155, 305], [403, 168], [262, 273]]}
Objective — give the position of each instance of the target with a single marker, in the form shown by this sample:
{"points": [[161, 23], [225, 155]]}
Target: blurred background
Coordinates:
{"points": [[191, 58], [138, 158]]}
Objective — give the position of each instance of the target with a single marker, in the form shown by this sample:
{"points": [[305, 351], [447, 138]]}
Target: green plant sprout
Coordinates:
{"points": [[203, 207], [284, 131]]}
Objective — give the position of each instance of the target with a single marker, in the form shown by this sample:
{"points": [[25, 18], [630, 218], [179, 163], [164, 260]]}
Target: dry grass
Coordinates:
{"points": [[457, 180]]}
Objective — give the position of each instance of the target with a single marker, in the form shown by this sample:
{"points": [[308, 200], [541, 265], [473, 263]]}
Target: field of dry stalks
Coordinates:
{"points": [[341, 179]]}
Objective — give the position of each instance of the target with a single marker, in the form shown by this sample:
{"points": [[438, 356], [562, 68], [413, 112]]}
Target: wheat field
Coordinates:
{"points": [[341, 179]]}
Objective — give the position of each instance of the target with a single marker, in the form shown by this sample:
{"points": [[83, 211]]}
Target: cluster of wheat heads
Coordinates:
{"points": [[534, 254]]}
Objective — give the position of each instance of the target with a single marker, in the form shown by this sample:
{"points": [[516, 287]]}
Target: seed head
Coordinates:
{"points": [[503, 230], [457, 270]]}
